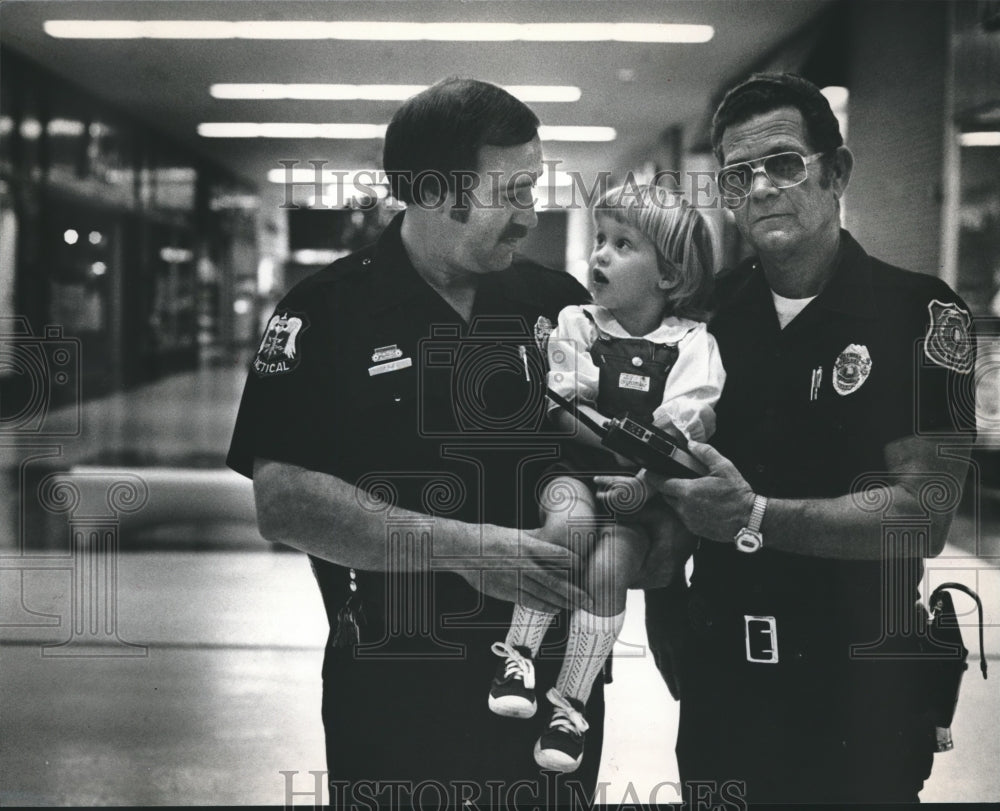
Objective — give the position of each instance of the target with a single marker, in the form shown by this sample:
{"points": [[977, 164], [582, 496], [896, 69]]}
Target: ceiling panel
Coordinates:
{"points": [[640, 89]]}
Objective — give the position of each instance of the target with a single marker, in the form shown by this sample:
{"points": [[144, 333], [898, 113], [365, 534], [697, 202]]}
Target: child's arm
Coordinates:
{"points": [[572, 372], [693, 387]]}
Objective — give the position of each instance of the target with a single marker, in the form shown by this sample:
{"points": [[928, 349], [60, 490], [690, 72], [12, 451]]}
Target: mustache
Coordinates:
{"points": [[514, 231]]}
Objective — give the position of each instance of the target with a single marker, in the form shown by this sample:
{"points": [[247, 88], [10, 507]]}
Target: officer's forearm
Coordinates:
{"points": [[331, 519], [917, 501], [838, 528]]}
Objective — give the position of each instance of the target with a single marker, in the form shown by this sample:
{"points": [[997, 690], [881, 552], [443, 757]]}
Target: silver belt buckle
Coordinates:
{"points": [[761, 634]]}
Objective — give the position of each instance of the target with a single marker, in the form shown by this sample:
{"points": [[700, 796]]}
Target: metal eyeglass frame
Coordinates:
{"points": [[755, 170]]}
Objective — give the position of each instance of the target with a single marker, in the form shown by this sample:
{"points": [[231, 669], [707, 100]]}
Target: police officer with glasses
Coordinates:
{"points": [[800, 659]]}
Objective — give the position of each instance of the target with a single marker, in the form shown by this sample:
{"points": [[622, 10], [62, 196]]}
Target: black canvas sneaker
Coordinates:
{"points": [[560, 747], [512, 692]]}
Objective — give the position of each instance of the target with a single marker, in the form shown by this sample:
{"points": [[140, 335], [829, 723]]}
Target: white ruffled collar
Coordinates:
{"points": [[670, 331]]}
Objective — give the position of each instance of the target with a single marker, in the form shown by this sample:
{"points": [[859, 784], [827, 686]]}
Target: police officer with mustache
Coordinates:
{"points": [[400, 446]]}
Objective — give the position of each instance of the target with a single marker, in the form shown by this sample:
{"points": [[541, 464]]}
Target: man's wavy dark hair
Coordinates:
{"points": [[765, 92], [439, 132]]}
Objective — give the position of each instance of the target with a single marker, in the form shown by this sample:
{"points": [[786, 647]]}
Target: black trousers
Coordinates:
{"points": [[766, 752], [817, 727], [415, 734]]}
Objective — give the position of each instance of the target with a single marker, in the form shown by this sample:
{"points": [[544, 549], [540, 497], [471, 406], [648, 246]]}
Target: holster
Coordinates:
{"points": [[666, 630], [946, 662]]}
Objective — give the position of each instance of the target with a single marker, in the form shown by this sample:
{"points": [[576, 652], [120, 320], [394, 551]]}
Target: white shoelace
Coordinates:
{"points": [[566, 717], [517, 665]]}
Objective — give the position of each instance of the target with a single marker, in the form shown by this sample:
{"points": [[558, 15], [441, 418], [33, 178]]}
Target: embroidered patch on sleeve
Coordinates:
{"points": [[947, 342], [279, 351]]}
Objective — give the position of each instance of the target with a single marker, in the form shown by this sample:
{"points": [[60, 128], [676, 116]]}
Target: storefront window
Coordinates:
{"points": [[979, 225], [173, 319], [974, 232]]}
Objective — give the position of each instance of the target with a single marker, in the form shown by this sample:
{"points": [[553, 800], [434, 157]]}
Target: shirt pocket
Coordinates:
{"points": [[842, 431], [386, 384]]}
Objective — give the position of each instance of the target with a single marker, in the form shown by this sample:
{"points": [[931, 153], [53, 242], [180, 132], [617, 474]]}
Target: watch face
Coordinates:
{"points": [[749, 541]]}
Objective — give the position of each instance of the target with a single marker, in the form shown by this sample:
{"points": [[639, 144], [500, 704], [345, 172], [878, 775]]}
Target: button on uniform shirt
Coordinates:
{"points": [[367, 374]]}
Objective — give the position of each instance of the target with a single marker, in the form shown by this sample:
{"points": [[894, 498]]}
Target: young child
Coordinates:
{"points": [[638, 348]]}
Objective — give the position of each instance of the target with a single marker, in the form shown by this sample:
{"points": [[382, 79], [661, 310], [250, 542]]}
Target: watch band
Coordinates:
{"points": [[750, 539], [757, 514]]}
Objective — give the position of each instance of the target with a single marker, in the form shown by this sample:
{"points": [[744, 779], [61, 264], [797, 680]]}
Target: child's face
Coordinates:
{"points": [[624, 274]]}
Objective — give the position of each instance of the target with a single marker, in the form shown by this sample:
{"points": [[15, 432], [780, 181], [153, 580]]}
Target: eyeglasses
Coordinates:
{"points": [[783, 169]]}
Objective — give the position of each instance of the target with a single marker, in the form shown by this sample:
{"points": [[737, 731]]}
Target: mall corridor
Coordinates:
{"points": [[190, 674]]}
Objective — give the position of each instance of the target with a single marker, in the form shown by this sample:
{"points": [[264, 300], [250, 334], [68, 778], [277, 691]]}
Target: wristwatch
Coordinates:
{"points": [[750, 538]]}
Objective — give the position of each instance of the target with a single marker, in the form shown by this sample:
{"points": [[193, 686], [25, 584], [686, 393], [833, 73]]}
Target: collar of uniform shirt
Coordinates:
{"points": [[395, 278], [398, 281], [849, 290]]}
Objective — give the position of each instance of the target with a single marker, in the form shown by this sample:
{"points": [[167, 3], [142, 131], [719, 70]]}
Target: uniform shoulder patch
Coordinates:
{"points": [[947, 342], [279, 351]]}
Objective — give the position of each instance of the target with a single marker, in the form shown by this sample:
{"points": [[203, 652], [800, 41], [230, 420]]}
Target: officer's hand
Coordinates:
{"points": [[715, 506], [624, 494], [521, 567]]}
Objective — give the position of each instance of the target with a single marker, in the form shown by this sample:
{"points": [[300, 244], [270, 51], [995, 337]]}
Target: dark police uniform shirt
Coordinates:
{"points": [[365, 373], [807, 412]]}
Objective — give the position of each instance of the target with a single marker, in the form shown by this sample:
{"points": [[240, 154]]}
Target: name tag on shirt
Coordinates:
{"points": [[626, 380], [392, 366]]}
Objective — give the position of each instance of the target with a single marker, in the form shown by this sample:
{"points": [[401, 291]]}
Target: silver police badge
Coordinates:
{"points": [[947, 342], [279, 352], [851, 369]]}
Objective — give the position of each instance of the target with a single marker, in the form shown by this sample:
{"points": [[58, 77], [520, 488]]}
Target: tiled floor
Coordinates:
{"points": [[226, 696], [207, 686]]}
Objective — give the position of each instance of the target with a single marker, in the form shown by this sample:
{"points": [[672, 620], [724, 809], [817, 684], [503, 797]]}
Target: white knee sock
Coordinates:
{"points": [[591, 638], [527, 628]]}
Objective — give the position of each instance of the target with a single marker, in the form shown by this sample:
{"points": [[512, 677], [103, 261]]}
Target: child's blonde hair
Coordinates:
{"points": [[681, 237]]}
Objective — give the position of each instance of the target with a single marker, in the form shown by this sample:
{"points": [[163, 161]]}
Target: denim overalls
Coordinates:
{"points": [[633, 374]]}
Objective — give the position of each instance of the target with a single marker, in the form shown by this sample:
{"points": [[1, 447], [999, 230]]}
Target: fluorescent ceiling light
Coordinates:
{"points": [[544, 92], [246, 129], [302, 176], [316, 91], [979, 139], [372, 92], [64, 126], [837, 96], [291, 130], [378, 31], [549, 133], [315, 256]]}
